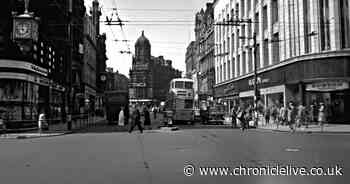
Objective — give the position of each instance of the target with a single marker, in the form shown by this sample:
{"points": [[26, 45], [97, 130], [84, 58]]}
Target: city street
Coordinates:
{"points": [[160, 157]]}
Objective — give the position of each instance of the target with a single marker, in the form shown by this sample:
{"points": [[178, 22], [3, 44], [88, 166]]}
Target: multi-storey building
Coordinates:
{"points": [[117, 95], [145, 84], [190, 59], [302, 52], [91, 28], [34, 59], [204, 31]]}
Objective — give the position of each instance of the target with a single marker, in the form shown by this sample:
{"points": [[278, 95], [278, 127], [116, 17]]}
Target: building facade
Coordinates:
{"points": [[32, 62], [145, 84], [91, 28], [42, 70], [117, 95], [302, 52], [204, 31]]}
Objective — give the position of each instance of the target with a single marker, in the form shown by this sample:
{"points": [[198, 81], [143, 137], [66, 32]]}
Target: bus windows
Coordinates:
{"points": [[188, 85], [179, 84]]}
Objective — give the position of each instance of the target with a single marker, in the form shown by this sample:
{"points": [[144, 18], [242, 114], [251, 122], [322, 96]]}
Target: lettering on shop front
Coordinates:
{"points": [[251, 82], [327, 86]]}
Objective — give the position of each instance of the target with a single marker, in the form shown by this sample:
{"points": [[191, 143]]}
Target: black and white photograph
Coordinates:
{"points": [[175, 91]]}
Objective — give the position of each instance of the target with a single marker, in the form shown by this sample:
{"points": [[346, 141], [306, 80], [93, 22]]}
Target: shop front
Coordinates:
{"points": [[22, 96], [302, 82], [334, 93]]}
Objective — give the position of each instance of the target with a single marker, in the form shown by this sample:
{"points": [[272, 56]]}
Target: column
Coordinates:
{"points": [[334, 14]]}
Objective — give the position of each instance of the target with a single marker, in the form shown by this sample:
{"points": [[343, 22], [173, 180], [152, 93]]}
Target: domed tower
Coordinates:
{"points": [[142, 48]]}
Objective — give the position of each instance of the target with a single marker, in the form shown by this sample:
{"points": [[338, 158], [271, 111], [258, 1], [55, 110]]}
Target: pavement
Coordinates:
{"points": [[327, 128]]}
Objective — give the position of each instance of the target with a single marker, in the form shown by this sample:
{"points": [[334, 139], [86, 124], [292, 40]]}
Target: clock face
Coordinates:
{"points": [[23, 29], [103, 77]]}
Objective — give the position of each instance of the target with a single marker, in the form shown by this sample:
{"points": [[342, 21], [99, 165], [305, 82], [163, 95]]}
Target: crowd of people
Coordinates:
{"points": [[136, 113], [292, 115]]}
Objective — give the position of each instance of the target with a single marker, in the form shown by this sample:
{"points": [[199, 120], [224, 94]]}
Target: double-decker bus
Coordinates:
{"points": [[179, 101]]}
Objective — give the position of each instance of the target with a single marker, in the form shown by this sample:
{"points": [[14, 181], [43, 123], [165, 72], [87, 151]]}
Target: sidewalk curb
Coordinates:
{"points": [[303, 132], [24, 136]]}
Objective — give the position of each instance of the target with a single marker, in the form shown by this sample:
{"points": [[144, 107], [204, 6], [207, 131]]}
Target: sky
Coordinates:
{"points": [[168, 24]]}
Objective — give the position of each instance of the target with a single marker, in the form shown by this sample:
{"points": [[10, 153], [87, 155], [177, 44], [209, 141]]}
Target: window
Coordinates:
{"points": [[188, 104], [224, 71], [244, 63], [179, 84], [307, 26], [275, 48], [242, 8], [238, 65], [324, 24], [266, 53], [257, 55], [229, 69], [275, 11], [248, 5], [344, 24], [233, 43], [243, 35], [220, 73], [238, 39], [256, 24], [250, 60], [188, 85], [265, 18]]}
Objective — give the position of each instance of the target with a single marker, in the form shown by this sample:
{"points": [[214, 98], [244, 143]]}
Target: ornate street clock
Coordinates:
{"points": [[25, 27]]}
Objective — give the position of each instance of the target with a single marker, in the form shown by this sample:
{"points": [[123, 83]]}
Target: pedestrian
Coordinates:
{"points": [[2, 125], [301, 115], [240, 117], [154, 110], [267, 115], [311, 114], [282, 116], [233, 117], [147, 119], [291, 115], [274, 114], [322, 115], [121, 118], [135, 119], [41, 121]]}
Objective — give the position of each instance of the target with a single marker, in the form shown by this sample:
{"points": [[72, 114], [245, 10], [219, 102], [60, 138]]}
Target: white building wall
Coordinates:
{"points": [[291, 31]]}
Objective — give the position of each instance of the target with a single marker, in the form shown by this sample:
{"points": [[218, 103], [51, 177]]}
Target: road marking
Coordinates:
{"points": [[292, 149]]}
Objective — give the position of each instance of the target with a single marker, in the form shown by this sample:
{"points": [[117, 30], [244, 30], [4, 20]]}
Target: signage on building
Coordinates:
{"points": [[251, 82], [4, 63], [230, 89], [324, 86]]}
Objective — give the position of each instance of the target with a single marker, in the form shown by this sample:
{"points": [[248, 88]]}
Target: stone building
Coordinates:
{"points": [[146, 85], [302, 52], [204, 31]]}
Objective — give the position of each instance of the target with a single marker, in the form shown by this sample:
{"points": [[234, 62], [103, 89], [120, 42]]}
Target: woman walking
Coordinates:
{"points": [[147, 119], [322, 115], [121, 118], [240, 117]]}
